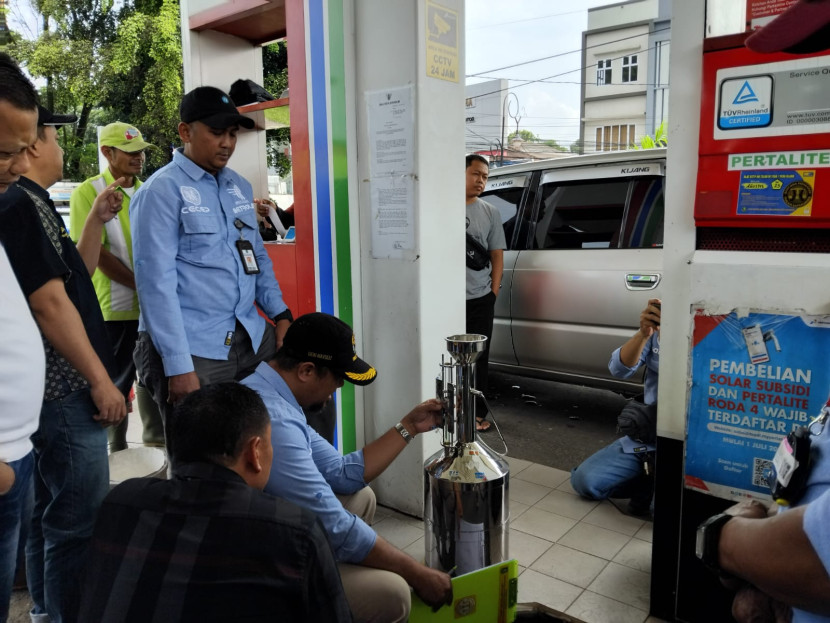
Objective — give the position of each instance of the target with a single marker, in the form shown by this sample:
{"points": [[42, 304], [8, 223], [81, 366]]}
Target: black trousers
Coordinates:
{"points": [[480, 314]]}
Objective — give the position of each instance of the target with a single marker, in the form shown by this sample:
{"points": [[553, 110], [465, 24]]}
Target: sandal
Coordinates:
{"points": [[482, 425]]}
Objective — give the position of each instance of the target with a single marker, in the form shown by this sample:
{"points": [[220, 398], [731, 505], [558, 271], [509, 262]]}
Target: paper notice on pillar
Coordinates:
{"points": [[393, 217], [391, 137], [755, 378]]}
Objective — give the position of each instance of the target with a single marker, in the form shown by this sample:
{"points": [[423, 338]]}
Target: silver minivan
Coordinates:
{"points": [[584, 254]]}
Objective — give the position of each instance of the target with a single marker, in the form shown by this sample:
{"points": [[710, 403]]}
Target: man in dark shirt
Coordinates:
{"points": [[209, 545], [72, 470]]}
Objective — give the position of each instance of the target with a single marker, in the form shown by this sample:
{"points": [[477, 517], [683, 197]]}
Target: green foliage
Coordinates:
{"points": [[275, 77], [105, 62], [526, 135], [660, 139], [577, 147], [554, 144]]}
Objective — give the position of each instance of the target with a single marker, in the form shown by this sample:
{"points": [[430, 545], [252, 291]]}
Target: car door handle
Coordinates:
{"points": [[640, 281]]}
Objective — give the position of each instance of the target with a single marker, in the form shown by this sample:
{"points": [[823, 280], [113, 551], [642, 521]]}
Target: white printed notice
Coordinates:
{"points": [[391, 144]]}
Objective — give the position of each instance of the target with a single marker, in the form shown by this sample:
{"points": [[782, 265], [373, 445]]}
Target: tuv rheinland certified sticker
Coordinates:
{"points": [[773, 99], [745, 102]]}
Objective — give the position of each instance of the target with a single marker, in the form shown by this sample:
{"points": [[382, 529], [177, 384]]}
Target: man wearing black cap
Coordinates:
{"points": [[317, 357], [200, 264], [72, 471]]}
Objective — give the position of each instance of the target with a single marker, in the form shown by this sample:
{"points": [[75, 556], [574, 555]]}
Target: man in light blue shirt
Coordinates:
{"points": [[199, 262], [316, 357], [619, 469]]}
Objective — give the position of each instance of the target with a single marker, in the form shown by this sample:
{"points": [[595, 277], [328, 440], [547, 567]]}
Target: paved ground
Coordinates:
{"points": [[553, 424]]}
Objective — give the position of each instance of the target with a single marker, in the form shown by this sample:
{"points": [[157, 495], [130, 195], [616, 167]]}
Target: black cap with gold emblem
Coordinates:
{"points": [[323, 339]]}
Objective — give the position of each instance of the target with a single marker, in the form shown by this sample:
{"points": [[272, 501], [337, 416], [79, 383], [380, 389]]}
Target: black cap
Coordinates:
{"points": [[213, 107], [802, 29], [47, 117], [324, 339]]}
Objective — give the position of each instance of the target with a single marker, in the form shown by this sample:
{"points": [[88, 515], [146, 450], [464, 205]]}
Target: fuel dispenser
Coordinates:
{"points": [[757, 368]]}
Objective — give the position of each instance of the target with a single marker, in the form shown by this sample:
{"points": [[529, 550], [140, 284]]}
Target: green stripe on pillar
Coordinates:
{"points": [[340, 173]]}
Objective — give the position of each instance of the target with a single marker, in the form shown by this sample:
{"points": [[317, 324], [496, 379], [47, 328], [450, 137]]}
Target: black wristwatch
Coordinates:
{"points": [[285, 315], [708, 539]]}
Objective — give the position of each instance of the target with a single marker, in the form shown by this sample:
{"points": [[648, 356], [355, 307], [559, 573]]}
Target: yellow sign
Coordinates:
{"points": [[442, 42]]}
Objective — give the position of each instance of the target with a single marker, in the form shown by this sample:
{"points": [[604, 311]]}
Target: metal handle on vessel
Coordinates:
{"points": [[476, 392]]}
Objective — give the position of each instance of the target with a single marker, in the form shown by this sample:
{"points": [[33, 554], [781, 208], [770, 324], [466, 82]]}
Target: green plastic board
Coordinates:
{"points": [[488, 595]]}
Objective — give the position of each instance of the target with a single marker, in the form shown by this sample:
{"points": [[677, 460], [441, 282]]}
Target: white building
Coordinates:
{"points": [[625, 64], [483, 112]]}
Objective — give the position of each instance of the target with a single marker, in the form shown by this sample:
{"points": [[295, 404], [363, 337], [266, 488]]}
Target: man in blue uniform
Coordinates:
{"points": [[199, 262]]}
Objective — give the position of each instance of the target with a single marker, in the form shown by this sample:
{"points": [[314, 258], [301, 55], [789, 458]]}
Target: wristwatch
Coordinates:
{"points": [[285, 315], [708, 539], [407, 437]]}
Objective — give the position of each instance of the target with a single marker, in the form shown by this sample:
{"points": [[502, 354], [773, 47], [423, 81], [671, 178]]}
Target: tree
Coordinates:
{"points": [[105, 64], [275, 73], [554, 144], [577, 147], [526, 135]]}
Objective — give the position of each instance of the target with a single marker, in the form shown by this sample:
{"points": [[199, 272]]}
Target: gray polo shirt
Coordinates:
{"points": [[484, 225]]}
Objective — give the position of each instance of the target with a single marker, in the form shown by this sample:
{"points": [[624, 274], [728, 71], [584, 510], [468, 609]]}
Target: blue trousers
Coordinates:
{"points": [[71, 480], [612, 473], [15, 514]]}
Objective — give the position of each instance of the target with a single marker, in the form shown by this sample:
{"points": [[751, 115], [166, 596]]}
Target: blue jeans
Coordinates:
{"points": [[71, 480], [612, 473], [15, 513]]}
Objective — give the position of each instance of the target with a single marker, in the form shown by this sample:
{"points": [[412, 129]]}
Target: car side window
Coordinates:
{"points": [[643, 228], [506, 194], [580, 215]]}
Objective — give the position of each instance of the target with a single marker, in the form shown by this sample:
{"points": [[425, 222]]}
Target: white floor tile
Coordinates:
{"points": [[623, 584], [566, 487], [566, 504], [526, 548], [416, 550], [543, 524], [544, 475], [538, 587], [569, 565], [516, 509], [517, 465], [399, 533], [527, 492], [593, 608], [606, 515], [646, 533], [636, 554], [594, 540]]}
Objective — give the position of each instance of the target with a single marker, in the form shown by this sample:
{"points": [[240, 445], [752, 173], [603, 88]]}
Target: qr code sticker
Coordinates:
{"points": [[759, 469]]}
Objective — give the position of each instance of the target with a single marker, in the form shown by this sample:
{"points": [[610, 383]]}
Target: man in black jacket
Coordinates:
{"points": [[209, 545]]}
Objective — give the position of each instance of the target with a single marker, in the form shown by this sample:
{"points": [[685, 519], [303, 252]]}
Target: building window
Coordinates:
{"points": [[604, 72], [614, 137], [629, 68]]}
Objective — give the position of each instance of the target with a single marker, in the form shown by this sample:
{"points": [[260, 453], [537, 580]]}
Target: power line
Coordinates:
{"points": [[546, 58]]}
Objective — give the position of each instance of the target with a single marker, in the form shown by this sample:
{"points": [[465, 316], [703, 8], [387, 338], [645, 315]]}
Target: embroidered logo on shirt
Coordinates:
{"points": [[190, 194], [235, 191]]}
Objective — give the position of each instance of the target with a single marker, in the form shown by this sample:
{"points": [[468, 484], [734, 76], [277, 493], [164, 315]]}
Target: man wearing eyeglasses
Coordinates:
{"points": [[123, 147]]}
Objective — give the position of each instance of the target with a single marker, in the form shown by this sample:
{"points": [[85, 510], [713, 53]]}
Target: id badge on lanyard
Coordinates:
{"points": [[790, 468], [246, 251]]}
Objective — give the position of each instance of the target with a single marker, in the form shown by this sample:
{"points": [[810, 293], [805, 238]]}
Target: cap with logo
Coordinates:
{"points": [[803, 28], [324, 339], [213, 107], [122, 136], [47, 117]]}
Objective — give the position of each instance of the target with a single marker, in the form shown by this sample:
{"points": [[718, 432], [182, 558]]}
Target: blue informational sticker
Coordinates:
{"points": [[786, 192], [754, 379]]}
